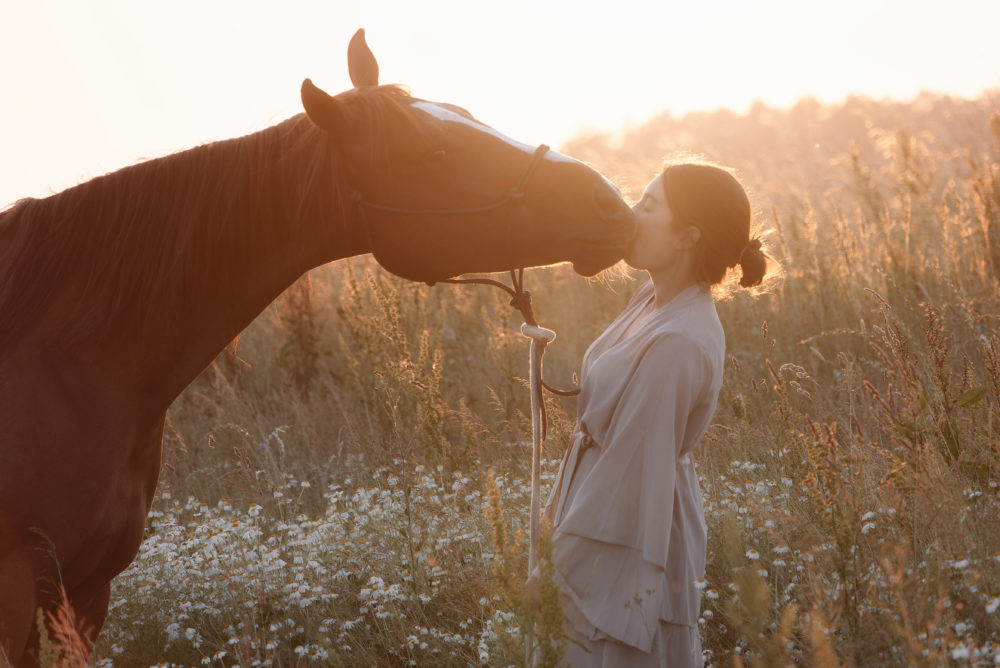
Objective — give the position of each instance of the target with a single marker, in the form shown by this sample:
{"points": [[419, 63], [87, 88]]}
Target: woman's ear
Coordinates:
{"points": [[691, 237]]}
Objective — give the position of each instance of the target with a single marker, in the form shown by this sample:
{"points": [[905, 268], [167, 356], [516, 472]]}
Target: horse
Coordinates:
{"points": [[116, 293]]}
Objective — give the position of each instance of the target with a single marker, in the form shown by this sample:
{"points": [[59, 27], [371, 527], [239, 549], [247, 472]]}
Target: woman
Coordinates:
{"points": [[626, 512]]}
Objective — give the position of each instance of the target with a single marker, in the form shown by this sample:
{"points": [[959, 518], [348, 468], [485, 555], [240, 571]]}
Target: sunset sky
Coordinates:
{"points": [[88, 87]]}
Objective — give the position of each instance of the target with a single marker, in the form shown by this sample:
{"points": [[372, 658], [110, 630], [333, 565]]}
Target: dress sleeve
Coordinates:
{"points": [[627, 497]]}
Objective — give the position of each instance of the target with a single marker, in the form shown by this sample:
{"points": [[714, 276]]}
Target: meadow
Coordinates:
{"points": [[348, 484]]}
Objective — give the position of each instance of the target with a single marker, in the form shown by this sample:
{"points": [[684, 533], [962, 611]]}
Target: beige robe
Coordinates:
{"points": [[626, 509]]}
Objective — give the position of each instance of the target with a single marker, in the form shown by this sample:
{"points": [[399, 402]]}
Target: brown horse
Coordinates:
{"points": [[116, 293]]}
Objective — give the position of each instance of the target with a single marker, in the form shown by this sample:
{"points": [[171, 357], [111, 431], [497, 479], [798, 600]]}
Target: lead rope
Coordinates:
{"points": [[540, 337], [520, 299]]}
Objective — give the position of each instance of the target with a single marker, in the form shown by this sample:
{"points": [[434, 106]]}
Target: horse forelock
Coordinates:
{"points": [[133, 240], [384, 114]]}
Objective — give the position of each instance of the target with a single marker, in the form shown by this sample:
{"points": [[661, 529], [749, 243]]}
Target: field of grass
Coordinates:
{"points": [[349, 484]]}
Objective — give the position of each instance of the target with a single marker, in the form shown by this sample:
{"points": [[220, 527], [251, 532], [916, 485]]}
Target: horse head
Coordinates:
{"points": [[439, 193]]}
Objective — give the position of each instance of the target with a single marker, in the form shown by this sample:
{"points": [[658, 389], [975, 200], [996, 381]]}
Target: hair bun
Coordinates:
{"points": [[753, 263], [753, 246]]}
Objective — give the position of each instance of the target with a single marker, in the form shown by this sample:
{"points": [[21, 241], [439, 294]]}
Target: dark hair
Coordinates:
{"points": [[711, 199]]}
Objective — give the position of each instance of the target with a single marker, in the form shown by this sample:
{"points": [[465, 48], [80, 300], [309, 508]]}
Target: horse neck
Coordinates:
{"points": [[197, 245], [287, 217]]}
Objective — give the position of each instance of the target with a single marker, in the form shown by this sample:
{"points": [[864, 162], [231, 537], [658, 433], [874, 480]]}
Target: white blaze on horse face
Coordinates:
{"points": [[443, 114]]}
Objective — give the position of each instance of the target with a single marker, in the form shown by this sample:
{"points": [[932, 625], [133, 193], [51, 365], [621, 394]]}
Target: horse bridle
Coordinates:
{"points": [[520, 298]]}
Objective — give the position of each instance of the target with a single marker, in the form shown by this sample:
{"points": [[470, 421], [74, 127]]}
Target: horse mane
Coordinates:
{"points": [[151, 233]]}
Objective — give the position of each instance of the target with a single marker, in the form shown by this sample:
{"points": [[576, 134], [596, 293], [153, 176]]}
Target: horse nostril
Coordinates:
{"points": [[608, 204]]}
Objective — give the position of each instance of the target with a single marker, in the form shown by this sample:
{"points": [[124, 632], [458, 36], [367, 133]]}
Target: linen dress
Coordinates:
{"points": [[626, 509]]}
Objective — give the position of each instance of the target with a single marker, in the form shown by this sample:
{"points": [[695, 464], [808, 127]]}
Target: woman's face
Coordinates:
{"points": [[657, 242]]}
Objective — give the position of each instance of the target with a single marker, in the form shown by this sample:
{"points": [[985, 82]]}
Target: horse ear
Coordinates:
{"points": [[361, 61], [321, 108]]}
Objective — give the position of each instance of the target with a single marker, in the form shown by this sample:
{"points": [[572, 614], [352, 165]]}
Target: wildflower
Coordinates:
{"points": [[960, 652], [992, 606], [753, 554], [867, 526]]}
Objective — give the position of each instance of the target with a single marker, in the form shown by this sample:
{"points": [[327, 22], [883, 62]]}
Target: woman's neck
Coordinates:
{"points": [[668, 282]]}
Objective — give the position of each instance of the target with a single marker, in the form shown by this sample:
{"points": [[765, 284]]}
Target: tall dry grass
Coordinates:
{"points": [[346, 486]]}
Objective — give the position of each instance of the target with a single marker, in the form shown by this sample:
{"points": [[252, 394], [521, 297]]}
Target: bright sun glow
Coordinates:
{"points": [[90, 87]]}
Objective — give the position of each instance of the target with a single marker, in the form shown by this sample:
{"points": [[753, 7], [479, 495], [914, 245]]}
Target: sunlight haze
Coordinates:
{"points": [[92, 87]]}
